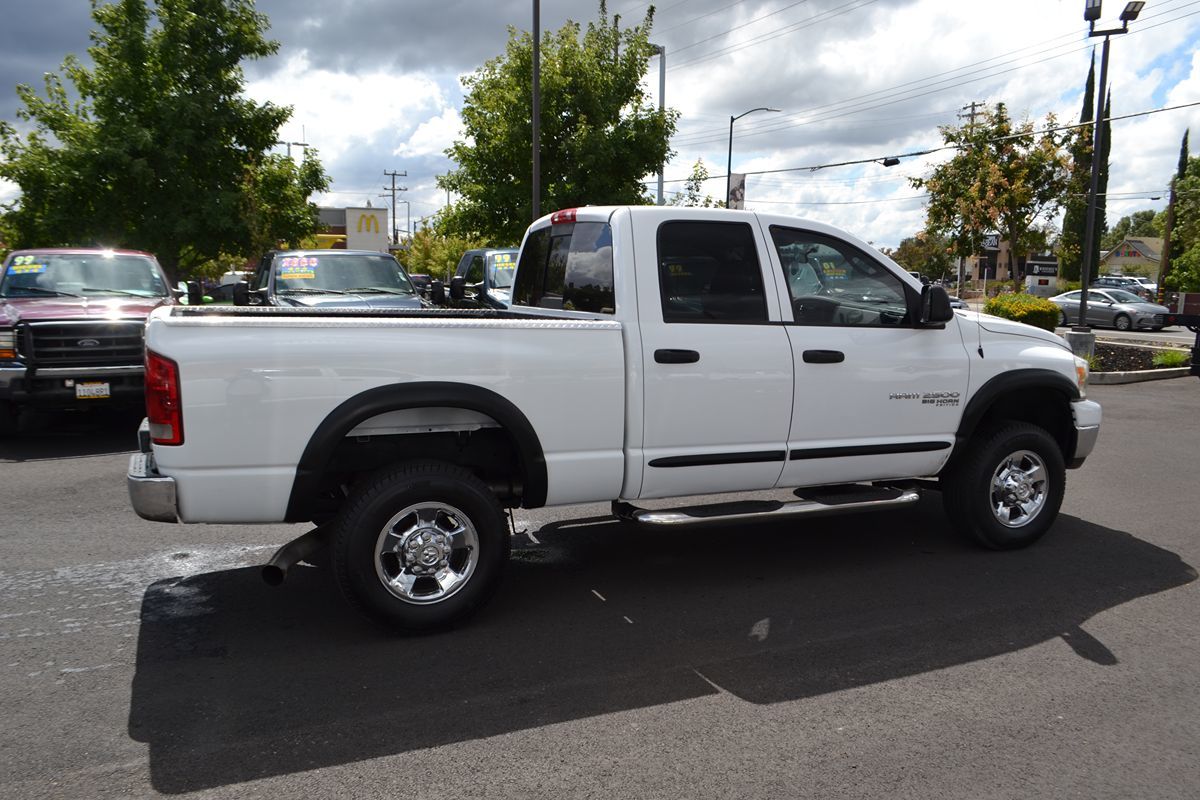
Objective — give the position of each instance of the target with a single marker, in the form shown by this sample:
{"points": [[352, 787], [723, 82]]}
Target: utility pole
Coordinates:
{"points": [[962, 266], [289, 146], [393, 175]]}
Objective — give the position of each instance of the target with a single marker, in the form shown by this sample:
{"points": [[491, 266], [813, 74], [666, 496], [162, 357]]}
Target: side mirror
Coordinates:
{"points": [[195, 295], [437, 293], [241, 293], [935, 306], [458, 287]]}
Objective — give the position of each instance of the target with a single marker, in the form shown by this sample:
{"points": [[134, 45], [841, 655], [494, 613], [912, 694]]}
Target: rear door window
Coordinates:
{"points": [[710, 272]]}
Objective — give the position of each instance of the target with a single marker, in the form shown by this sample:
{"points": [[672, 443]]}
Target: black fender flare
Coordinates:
{"points": [[425, 394], [1017, 380]]}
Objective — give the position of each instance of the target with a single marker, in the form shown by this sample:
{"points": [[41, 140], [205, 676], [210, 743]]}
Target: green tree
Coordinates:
{"points": [[600, 135], [1171, 243], [157, 148], [926, 253], [437, 254], [1004, 177], [693, 186], [1184, 275], [1079, 146], [1137, 224]]}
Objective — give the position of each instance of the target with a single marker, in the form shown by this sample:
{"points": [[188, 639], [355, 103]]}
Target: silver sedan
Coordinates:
{"points": [[1115, 308]]}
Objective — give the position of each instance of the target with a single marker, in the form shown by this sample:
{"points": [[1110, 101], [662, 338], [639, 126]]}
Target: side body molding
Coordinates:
{"points": [[373, 402]]}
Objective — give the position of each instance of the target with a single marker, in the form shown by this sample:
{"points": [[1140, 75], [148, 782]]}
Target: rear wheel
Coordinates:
{"points": [[1062, 319], [1122, 322], [420, 546], [1006, 492]]}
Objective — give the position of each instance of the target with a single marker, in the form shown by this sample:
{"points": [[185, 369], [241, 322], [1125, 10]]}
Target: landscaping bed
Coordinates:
{"points": [[1128, 358]]}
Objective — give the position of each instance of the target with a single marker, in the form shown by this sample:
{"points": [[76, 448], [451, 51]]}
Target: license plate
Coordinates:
{"points": [[92, 390]]}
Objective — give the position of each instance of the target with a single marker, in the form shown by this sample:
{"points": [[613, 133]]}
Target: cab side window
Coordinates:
{"points": [[709, 272], [831, 282]]}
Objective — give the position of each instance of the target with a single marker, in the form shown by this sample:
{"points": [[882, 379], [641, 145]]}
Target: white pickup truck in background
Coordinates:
{"points": [[649, 352]]}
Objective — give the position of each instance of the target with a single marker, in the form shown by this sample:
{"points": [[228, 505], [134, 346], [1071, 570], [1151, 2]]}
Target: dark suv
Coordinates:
{"points": [[1122, 282], [72, 323]]}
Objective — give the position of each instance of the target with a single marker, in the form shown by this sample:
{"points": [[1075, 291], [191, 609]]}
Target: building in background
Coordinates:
{"points": [[1133, 256], [353, 228]]}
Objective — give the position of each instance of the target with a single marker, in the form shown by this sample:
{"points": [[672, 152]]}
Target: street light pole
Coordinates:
{"points": [[1083, 341], [729, 160], [537, 109], [661, 52]]}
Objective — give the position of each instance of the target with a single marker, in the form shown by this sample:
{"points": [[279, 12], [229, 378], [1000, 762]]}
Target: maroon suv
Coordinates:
{"points": [[71, 327]]}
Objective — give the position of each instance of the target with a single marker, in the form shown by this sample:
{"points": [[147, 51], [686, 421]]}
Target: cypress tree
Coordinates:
{"points": [[1075, 216]]}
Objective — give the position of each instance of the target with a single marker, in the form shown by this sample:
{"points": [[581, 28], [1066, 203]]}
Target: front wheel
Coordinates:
{"points": [[1062, 319], [1006, 492], [420, 546], [1122, 322]]}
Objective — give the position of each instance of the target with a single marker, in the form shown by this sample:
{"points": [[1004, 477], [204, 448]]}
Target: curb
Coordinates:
{"points": [[1137, 376]]}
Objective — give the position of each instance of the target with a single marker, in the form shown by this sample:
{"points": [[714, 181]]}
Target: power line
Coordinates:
{"points": [[865, 102], [942, 148]]}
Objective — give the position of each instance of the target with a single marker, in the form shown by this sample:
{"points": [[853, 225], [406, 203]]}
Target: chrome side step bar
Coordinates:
{"points": [[817, 502]]}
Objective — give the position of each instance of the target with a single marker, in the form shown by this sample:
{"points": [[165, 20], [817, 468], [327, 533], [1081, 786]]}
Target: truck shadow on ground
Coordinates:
{"points": [[237, 681], [49, 435]]}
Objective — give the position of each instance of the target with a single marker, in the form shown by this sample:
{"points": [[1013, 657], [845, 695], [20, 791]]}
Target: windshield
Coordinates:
{"points": [[502, 266], [340, 273], [1122, 296], [81, 275]]}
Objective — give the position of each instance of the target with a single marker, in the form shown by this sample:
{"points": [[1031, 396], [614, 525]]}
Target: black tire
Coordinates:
{"points": [[457, 499], [1122, 322], [967, 490], [1062, 319]]}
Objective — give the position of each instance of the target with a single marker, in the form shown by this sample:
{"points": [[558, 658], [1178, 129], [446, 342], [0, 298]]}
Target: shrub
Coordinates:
{"points": [[1027, 308], [1171, 358]]}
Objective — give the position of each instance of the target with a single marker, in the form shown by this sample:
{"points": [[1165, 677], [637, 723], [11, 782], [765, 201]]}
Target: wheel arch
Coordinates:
{"points": [[324, 442], [1038, 396]]}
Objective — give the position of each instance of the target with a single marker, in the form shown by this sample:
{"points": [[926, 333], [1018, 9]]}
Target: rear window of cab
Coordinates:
{"points": [[567, 266]]}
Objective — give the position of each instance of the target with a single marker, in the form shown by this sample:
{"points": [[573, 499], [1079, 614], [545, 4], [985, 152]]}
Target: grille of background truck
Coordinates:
{"points": [[82, 344]]}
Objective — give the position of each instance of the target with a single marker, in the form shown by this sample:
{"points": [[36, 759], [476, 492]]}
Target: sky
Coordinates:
{"points": [[375, 86]]}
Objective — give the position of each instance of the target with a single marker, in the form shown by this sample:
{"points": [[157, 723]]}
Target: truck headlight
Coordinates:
{"points": [[8, 344], [1081, 376]]}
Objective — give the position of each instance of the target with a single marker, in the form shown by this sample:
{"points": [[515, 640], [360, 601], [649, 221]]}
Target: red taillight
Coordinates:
{"points": [[563, 217], [163, 406]]}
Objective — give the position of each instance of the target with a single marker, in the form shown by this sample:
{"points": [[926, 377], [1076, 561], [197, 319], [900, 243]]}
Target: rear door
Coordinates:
{"points": [[717, 363]]}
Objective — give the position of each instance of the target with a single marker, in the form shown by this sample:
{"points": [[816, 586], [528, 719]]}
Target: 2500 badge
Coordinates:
{"points": [[928, 398]]}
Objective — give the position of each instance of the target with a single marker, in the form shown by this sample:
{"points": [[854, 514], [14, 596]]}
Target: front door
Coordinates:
{"points": [[876, 396]]}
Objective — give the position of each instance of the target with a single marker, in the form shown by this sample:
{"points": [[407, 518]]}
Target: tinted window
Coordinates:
{"points": [[709, 272], [831, 282], [475, 270], [568, 267]]}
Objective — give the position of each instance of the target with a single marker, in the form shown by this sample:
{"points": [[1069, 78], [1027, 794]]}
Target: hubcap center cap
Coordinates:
{"points": [[426, 551]]}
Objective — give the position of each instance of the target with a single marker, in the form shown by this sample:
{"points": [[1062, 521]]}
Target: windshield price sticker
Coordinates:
{"points": [[26, 265], [503, 258], [298, 268]]}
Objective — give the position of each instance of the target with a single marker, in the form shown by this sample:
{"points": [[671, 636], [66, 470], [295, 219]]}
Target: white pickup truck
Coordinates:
{"points": [[649, 353]]}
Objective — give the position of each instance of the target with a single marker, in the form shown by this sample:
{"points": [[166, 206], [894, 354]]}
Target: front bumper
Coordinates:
{"points": [[152, 494], [54, 387], [1087, 415]]}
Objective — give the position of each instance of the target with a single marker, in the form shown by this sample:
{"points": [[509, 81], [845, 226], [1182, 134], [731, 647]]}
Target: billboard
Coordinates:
{"points": [[367, 229]]}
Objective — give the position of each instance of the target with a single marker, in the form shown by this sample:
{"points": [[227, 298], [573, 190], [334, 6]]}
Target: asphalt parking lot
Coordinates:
{"points": [[865, 656]]}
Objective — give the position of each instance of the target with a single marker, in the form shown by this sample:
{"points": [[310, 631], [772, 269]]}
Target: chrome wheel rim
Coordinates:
{"points": [[1019, 489], [426, 553]]}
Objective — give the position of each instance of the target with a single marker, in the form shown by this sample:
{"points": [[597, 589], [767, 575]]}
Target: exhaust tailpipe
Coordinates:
{"points": [[275, 570]]}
